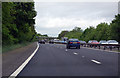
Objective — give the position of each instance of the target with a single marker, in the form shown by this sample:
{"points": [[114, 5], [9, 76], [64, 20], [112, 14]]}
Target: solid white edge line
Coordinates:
{"points": [[95, 61], [14, 74]]}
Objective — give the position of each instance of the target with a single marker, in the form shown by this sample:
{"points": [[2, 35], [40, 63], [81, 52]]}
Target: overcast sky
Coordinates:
{"points": [[53, 17]]}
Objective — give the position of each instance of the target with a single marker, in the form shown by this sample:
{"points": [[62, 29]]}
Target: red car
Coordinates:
{"points": [[93, 42]]}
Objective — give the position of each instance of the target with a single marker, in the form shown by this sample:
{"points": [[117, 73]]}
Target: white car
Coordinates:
{"points": [[102, 41], [82, 41], [112, 42]]}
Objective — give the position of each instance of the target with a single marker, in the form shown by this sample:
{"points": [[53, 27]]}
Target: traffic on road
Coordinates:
{"points": [[56, 60], [110, 44]]}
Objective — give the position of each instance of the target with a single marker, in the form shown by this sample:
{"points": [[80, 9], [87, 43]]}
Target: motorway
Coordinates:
{"points": [[56, 60]]}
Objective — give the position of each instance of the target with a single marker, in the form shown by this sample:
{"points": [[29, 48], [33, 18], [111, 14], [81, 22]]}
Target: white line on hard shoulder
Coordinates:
{"points": [[14, 74], [97, 62]]}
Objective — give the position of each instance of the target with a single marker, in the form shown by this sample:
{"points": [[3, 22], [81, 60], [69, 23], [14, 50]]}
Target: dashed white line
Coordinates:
{"points": [[75, 53], [14, 74], [66, 50], [83, 56], [97, 62]]}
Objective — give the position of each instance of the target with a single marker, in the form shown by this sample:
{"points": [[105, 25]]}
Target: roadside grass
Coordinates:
{"points": [[118, 50], [14, 46]]}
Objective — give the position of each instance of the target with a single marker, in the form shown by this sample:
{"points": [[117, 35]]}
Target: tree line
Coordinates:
{"points": [[103, 31], [18, 22]]}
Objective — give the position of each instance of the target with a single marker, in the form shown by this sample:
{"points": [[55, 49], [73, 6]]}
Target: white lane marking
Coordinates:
{"points": [[66, 50], [96, 61], [14, 74], [83, 56], [101, 50], [75, 53]]}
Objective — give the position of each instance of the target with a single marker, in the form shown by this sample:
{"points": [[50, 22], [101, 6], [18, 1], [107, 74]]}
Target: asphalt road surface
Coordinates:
{"points": [[56, 60]]}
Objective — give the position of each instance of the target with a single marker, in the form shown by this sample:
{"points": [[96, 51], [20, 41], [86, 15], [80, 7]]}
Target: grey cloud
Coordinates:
{"points": [[89, 11], [76, 9]]}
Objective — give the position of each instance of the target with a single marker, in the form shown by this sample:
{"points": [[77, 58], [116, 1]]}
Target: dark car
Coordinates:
{"points": [[41, 41], [51, 42], [73, 43]]}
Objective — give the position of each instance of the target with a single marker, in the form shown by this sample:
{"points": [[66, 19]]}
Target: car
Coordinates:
{"points": [[82, 41], [64, 42], [51, 42], [112, 42], [93, 42], [102, 41], [56, 40], [73, 43], [41, 41], [89, 41]]}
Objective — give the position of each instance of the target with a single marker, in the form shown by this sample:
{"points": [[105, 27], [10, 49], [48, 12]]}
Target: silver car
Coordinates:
{"points": [[102, 41]]}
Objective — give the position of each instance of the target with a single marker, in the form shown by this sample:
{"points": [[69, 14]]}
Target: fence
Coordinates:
{"points": [[105, 46]]}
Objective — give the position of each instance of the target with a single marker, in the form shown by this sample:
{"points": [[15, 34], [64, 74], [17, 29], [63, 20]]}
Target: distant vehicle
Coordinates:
{"points": [[102, 41], [112, 42], [41, 41], [56, 40], [82, 41], [89, 41], [73, 43], [64, 38], [63, 41], [93, 42], [51, 42]]}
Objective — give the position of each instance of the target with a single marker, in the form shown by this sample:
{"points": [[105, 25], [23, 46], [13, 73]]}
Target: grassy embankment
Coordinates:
{"points": [[14, 46], [118, 50]]}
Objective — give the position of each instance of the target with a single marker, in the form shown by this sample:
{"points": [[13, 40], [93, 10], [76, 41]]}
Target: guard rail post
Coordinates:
{"points": [[104, 47], [110, 47], [99, 46], [118, 47]]}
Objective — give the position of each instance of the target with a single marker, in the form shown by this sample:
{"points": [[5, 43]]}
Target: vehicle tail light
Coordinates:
{"points": [[78, 42], [70, 42]]}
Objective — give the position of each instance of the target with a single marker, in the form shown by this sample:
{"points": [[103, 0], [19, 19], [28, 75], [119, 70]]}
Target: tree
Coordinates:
{"points": [[8, 26], [115, 28], [24, 20], [102, 31], [88, 34], [77, 29], [75, 33], [18, 22], [62, 34]]}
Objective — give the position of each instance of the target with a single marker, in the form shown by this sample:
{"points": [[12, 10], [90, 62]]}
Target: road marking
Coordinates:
{"points": [[66, 50], [83, 56], [14, 74], [75, 53], [96, 61]]}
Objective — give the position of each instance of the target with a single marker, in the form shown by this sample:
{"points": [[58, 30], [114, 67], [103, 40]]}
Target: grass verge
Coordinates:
{"points": [[14, 46], [118, 50]]}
